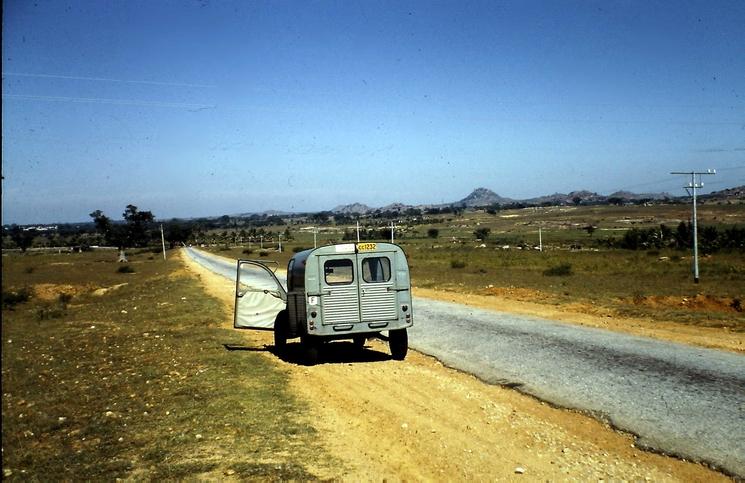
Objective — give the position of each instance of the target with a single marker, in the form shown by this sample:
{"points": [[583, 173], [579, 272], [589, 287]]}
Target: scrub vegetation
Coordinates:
{"points": [[110, 375], [631, 261]]}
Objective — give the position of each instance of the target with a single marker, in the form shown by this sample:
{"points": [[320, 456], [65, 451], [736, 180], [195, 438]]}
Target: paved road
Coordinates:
{"points": [[678, 399]]}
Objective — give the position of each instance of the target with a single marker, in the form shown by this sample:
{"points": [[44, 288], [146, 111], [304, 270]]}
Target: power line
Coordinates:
{"points": [[104, 79], [99, 100], [693, 185]]}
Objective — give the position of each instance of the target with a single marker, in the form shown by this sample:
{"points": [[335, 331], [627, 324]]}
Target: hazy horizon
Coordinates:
{"points": [[117, 216]]}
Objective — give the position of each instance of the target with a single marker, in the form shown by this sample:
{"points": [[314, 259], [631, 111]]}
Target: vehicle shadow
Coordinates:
{"points": [[337, 352], [237, 347]]}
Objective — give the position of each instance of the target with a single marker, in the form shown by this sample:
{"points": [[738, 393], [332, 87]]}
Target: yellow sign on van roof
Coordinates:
{"points": [[366, 247]]}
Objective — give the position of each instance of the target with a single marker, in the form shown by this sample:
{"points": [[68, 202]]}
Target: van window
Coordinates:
{"points": [[338, 272], [376, 269]]}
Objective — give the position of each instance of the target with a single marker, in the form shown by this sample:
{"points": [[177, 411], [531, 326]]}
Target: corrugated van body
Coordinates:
{"points": [[340, 291]]}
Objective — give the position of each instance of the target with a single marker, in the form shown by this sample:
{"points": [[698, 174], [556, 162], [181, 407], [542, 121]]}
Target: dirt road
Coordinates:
{"points": [[419, 420]]}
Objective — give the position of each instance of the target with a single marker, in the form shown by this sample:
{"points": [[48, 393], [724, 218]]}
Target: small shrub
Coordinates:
{"points": [[482, 233], [638, 298], [457, 264], [482, 270], [11, 299], [63, 299], [151, 257], [653, 253], [30, 269], [125, 269], [675, 258], [736, 304], [433, 233], [50, 312], [263, 253], [224, 248], [561, 270], [248, 251]]}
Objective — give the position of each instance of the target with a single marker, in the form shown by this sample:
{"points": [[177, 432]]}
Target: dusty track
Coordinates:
{"points": [[420, 420]]}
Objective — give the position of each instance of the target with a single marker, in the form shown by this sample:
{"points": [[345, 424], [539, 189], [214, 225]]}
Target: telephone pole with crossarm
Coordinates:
{"points": [[691, 189]]}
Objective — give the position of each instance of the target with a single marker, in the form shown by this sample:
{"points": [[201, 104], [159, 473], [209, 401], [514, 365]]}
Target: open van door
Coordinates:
{"points": [[259, 296]]}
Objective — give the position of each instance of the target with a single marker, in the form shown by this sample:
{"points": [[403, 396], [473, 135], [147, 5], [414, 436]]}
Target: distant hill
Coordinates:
{"points": [[627, 195], [354, 208], [484, 197], [730, 194]]}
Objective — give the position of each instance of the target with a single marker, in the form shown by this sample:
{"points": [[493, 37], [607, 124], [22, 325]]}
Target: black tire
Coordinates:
{"points": [[280, 332], [359, 342], [398, 341], [311, 350]]}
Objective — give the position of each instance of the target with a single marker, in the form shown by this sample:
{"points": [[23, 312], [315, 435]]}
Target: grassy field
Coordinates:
{"points": [[655, 284], [111, 375]]}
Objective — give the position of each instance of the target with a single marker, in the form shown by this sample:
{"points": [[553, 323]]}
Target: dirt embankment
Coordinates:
{"points": [[420, 420], [519, 302]]}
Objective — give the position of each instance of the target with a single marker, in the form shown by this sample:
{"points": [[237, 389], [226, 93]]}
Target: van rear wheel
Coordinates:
{"points": [[398, 341], [359, 342], [280, 332], [311, 350]]}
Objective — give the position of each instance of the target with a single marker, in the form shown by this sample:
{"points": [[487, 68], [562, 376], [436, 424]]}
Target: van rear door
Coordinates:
{"points": [[377, 282], [259, 296], [339, 296]]}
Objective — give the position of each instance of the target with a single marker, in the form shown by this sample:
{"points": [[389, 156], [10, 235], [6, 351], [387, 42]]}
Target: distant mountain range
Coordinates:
{"points": [[484, 197]]}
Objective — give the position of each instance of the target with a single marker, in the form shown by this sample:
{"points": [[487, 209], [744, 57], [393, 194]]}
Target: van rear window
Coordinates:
{"points": [[376, 269], [338, 272]]}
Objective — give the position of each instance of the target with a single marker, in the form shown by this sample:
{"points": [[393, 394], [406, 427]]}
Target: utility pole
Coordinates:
{"points": [[392, 232], [280, 243], [691, 189], [358, 231], [315, 232], [540, 240], [163, 241]]}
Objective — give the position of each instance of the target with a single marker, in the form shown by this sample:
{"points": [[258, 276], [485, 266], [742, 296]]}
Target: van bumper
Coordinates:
{"points": [[346, 331]]}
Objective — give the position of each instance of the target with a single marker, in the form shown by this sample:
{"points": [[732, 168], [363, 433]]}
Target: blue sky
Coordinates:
{"points": [[214, 107]]}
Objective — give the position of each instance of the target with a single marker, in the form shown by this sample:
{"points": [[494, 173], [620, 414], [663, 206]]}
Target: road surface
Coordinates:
{"points": [[678, 399]]}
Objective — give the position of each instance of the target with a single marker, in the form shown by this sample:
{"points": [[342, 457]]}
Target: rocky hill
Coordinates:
{"points": [[484, 197], [730, 194], [353, 208]]}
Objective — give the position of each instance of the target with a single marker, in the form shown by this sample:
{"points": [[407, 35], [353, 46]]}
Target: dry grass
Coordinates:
{"points": [[598, 279], [137, 382]]}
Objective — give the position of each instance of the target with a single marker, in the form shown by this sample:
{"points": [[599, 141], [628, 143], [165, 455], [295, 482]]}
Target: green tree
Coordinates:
{"points": [[137, 224], [684, 236], [177, 233], [102, 224], [21, 237]]}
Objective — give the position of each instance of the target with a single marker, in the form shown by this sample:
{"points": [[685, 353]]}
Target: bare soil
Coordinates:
{"points": [[420, 420], [517, 301]]}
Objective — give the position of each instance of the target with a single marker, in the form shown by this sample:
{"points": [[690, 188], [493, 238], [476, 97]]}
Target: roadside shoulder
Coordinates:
{"points": [[709, 337]]}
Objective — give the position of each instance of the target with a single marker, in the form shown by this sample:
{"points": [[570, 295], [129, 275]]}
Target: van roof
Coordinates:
{"points": [[343, 248]]}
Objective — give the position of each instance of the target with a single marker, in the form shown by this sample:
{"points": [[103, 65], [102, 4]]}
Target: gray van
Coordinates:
{"points": [[348, 291]]}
